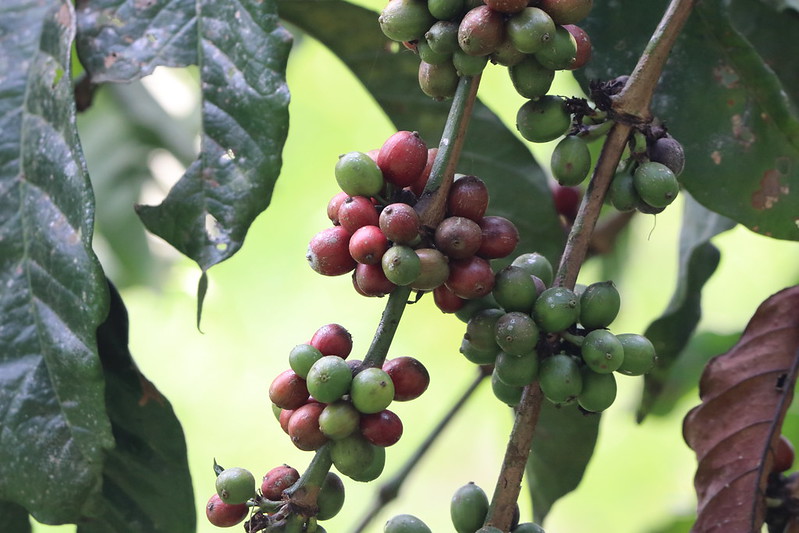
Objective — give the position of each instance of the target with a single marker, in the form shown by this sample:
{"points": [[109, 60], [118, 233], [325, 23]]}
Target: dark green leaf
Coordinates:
{"points": [[671, 332], [518, 186], [563, 444], [146, 480], [243, 53], [123, 40], [782, 5], [727, 106], [55, 429], [13, 518]]}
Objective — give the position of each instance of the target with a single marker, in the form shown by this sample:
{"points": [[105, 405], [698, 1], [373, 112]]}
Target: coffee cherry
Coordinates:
{"points": [[543, 119], [668, 151], [443, 37], [329, 379], [571, 161], [368, 244], [223, 514], [302, 357], [477, 355], [783, 455], [481, 31], [409, 376], [332, 339], [330, 499], [285, 416], [372, 390], [334, 205], [500, 237], [598, 392], [602, 351], [458, 237], [506, 6], [639, 354], [468, 65], [356, 212], [418, 186], [530, 29], [536, 265], [370, 280], [288, 390], [516, 371], [468, 198], [560, 379], [530, 78], [480, 329], [339, 420], [438, 81], [560, 52], [507, 54], [381, 429], [358, 174], [556, 309], [401, 265], [515, 289], [405, 523], [599, 305], [622, 193], [567, 11], [446, 300], [655, 184], [528, 527], [434, 269], [328, 252], [516, 333], [567, 201], [468, 508], [400, 223], [277, 480], [472, 307], [470, 278], [357, 459], [235, 485], [402, 158], [583, 43], [405, 20], [304, 427], [428, 55], [507, 394]]}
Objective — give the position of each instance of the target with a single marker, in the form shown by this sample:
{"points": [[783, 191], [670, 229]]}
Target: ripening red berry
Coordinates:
{"points": [[467, 198], [446, 300], [381, 429], [470, 278], [285, 416], [400, 223], [567, 201], [328, 252], [500, 237], [402, 158], [277, 480], [783, 455], [332, 339], [223, 514], [583, 45], [367, 245], [418, 186], [356, 212], [304, 427], [370, 280], [334, 204], [458, 237], [409, 375], [288, 390]]}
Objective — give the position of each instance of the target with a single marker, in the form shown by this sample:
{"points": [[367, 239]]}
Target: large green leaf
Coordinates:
{"points": [[13, 518], [146, 481], [723, 101], [563, 444], [123, 40], [517, 184], [55, 429], [671, 332], [243, 54]]}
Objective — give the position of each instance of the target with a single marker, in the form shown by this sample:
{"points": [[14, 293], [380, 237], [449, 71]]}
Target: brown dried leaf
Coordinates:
{"points": [[745, 393]]}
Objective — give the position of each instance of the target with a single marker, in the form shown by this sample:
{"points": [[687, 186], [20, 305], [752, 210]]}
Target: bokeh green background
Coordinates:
{"points": [[265, 300]]}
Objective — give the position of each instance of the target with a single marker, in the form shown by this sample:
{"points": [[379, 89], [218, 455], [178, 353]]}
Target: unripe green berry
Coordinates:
{"points": [[235, 485], [656, 184], [438, 81], [516, 371], [443, 37], [405, 20], [372, 390], [331, 497], [480, 328], [401, 265], [530, 29], [468, 65], [537, 265], [478, 356], [543, 119], [639, 354], [602, 351], [599, 391], [358, 174], [530, 78], [405, 523], [571, 161], [507, 394], [339, 420], [515, 289], [560, 52], [599, 305], [560, 379], [468, 508], [556, 309], [516, 333], [622, 193], [329, 378]]}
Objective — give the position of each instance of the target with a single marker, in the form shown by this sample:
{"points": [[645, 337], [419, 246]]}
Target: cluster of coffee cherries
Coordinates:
{"points": [[455, 38], [325, 397], [236, 496], [529, 331], [384, 244], [468, 511]]}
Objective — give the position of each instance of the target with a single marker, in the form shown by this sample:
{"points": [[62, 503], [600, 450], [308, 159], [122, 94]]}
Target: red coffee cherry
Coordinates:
{"points": [[567, 201], [783, 455], [458, 237], [328, 252], [334, 204], [418, 186], [332, 339], [481, 31], [381, 429], [470, 278], [500, 237], [288, 390], [506, 6], [446, 300], [277, 480], [566, 11], [467, 198], [356, 212], [402, 158], [409, 375], [583, 45], [400, 223], [304, 427], [368, 244], [223, 514], [285, 416], [370, 280]]}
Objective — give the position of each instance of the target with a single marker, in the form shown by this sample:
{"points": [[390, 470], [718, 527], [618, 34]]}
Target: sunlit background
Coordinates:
{"points": [[265, 300]]}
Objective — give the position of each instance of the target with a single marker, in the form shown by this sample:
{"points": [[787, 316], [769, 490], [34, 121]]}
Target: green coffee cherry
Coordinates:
{"points": [[506, 54], [358, 175], [331, 497], [528, 527], [438, 81], [445, 9], [302, 357], [353, 456], [516, 371], [405, 523], [515, 289], [374, 468], [507, 394], [602, 351], [428, 55], [235, 485], [530, 78], [479, 356], [443, 37], [560, 379], [556, 309], [530, 29], [372, 390], [571, 161], [339, 420], [656, 184], [468, 65], [599, 391], [537, 265], [405, 20], [401, 265], [599, 305], [480, 329], [472, 307], [516, 333], [543, 119], [468, 508], [560, 52], [622, 193], [639, 354], [329, 378]]}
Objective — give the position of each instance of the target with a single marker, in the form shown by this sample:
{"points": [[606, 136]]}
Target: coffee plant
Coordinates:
{"points": [[497, 173]]}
